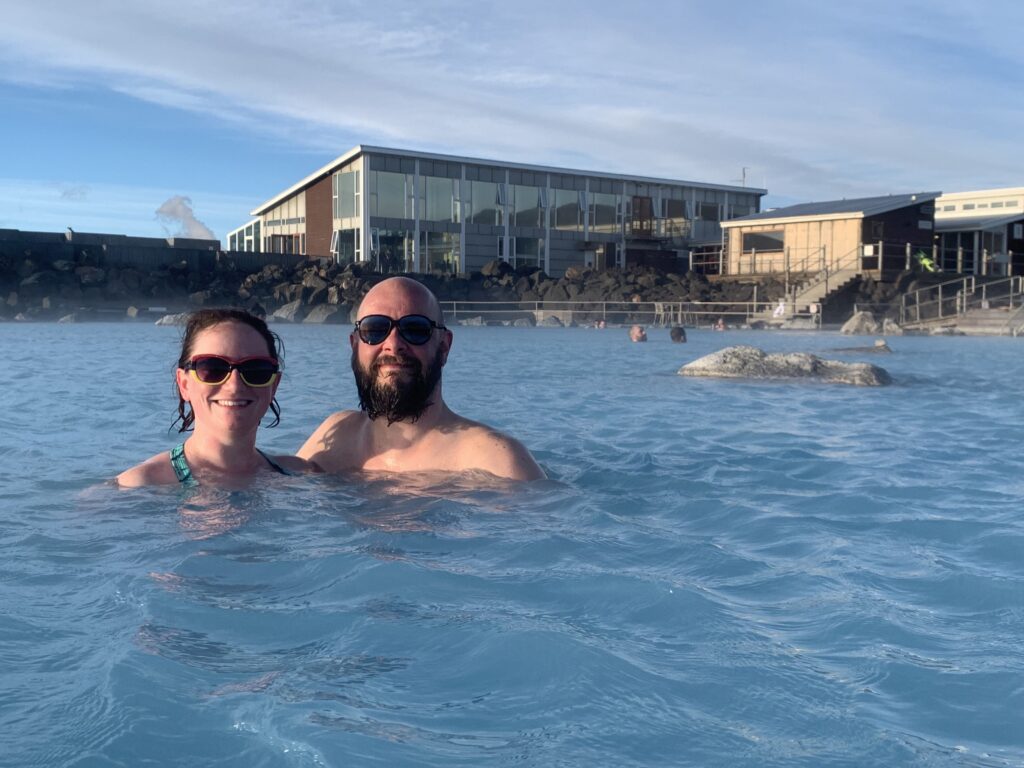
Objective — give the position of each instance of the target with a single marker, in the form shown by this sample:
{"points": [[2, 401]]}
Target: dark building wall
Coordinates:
{"points": [[319, 217], [897, 228]]}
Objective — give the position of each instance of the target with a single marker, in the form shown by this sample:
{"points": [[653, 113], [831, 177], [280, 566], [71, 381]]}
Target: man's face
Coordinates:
{"points": [[396, 379]]}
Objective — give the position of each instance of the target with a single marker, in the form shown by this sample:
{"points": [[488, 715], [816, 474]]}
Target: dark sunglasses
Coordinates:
{"points": [[213, 369], [415, 329]]}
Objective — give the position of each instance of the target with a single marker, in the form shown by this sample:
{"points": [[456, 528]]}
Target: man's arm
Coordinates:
{"points": [[501, 455], [324, 447]]}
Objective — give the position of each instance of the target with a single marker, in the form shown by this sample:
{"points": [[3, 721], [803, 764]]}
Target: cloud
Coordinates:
{"points": [[178, 210], [818, 100]]}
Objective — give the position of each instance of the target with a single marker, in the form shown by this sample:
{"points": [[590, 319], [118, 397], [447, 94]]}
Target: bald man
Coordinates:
{"points": [[399, 347]]}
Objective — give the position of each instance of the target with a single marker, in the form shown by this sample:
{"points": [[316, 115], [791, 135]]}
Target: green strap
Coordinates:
{"points": [[181, 469]]}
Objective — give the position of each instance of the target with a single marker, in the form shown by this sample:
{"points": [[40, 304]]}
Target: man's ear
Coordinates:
{"points": [[446, 346]]}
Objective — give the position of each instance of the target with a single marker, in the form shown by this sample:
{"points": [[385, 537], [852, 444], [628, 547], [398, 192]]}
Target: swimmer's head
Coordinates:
{"points": [[205, 319]]}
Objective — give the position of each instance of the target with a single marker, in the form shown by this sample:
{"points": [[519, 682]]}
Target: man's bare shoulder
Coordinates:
{"points": [[480, 446], [156, 470], [327, 446]]}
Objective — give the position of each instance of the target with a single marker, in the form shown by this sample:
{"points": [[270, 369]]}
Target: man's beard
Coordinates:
{"points": [[403, 397]]}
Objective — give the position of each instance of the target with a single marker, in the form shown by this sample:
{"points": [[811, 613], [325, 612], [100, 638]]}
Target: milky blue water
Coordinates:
{"points": [[718, 573]]}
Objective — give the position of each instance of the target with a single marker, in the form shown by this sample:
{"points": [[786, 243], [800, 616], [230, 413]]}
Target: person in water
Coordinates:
{"points": [[399, 347], [637, 333], [227, 377]]}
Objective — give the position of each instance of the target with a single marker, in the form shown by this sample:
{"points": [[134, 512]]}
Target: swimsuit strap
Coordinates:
{"points": [[181, 468], [273, 464]]}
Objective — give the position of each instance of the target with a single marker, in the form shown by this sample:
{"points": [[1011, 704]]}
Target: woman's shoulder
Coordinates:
{"points": [[156, 470]]}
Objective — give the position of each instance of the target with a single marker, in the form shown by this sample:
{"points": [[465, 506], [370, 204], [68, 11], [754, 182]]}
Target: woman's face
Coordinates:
{"points": [[232, 409]]}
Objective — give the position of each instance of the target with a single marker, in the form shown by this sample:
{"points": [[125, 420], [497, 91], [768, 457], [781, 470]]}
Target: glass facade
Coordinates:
{"points": [[483, 204], [527, 202], [391, 194], [346, 194], [440, 251], [528, 251], [393, 251], [439, 199], [604, 213], [567, 212]]}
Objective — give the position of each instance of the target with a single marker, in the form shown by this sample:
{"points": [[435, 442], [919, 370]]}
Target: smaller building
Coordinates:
{"points": [[870, 235], [981, 232], [245, 238]]}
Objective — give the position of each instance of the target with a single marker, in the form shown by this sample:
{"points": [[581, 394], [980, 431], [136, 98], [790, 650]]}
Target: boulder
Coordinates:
{"points": [[743, 362], [946, 330], [476, 321], [323, 314], [552, 322], [891, 328], [72, 318], [879, 348], [90, 275], [861, 324], [292, 312], [174, 319], [524, 322]]}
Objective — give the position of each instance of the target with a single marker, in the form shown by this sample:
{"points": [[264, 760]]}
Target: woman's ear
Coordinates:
{"points": [[183, 381]]}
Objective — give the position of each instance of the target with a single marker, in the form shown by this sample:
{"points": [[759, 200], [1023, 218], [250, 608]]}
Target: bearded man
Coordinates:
{"points": [[399, 347]]}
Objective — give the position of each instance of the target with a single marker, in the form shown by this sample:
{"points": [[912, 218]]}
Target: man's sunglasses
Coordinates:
{"points": [[415, 329], [213, 369]]}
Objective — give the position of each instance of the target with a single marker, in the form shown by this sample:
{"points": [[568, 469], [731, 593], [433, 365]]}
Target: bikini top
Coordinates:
{"points": [[184, 473]]}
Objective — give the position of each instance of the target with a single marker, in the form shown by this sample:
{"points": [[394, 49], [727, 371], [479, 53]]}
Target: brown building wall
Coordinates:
{"points": [[319, 218], [807, 242]]}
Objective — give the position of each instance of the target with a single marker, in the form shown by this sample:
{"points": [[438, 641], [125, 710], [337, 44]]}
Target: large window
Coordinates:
{"points": [[439, 199], [345, 245], [604, 209], [484, 207], [529, 210], [677, 220], [393, 250], [440, 251], [764, 241], [709, 211], [346, 194], [568, 210], [391, 194], [529, 250]]}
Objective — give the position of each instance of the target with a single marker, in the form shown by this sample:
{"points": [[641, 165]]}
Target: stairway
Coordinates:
{"points": [[814, 291], [987, 322]]}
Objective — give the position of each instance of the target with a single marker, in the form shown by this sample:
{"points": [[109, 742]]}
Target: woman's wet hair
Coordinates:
{"points": [[203, 319]]}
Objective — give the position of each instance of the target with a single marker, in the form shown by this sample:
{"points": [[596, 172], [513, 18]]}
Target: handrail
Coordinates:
{"points": [[659, 313], [954, 298]]}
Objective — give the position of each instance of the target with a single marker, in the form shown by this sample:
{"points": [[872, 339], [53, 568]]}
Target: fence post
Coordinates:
{"points": [[984, 261], [753, 261], [785, 252], [907, 267], [959, 259], [935, 258], [881, 258]]}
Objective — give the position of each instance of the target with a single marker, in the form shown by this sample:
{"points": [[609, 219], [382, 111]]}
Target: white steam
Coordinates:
{"points": [[178, 211]]}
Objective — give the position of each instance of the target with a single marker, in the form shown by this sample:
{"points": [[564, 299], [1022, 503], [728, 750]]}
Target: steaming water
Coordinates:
{"points": [[718, 572]]}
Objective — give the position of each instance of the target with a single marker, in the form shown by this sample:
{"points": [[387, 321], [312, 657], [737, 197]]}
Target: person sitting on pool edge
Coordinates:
{"points": [[227, 376], [399, 347]]}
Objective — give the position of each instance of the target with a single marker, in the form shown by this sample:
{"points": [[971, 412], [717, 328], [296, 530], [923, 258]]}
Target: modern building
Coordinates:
{"points": [[405, 211], [246, 237], [982, 232], [871, 235]]}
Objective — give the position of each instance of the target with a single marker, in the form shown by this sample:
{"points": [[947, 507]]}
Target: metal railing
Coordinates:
{"points": [[694, 314], [955, 298]]}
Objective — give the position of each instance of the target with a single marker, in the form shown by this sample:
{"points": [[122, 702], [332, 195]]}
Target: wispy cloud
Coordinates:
{"points": [[816, 99]]}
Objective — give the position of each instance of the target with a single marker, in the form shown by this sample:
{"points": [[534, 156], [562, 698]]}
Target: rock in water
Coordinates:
{"points": [[744, 362], [862, 323], [178, 319]]}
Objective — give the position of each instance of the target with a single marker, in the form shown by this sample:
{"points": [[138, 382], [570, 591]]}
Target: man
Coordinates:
{"points": [[399, 347]]}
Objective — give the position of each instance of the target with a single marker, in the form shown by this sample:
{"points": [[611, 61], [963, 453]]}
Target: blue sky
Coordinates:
{"points": [[111, 109]]}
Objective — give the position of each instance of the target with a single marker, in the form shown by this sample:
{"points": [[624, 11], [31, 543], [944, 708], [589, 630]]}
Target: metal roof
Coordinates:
{"points": [[852, 208], [364, 148], [970, 223]]}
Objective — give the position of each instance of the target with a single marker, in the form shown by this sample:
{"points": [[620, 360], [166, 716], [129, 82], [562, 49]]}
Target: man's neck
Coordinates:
{"points": [[404, 433]]}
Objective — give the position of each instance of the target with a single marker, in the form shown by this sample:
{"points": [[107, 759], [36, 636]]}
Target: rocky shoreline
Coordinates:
{"points": [[321, 291]]}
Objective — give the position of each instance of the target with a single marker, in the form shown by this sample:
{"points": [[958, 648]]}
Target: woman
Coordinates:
{"points": [[227, 376]]}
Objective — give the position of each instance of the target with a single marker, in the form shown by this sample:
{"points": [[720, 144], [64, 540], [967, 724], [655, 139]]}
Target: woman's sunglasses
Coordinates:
{"points": [[415, 329], [213, 369]]}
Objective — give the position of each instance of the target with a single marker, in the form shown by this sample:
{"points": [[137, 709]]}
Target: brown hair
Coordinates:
{"points": [[203, 319]]}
